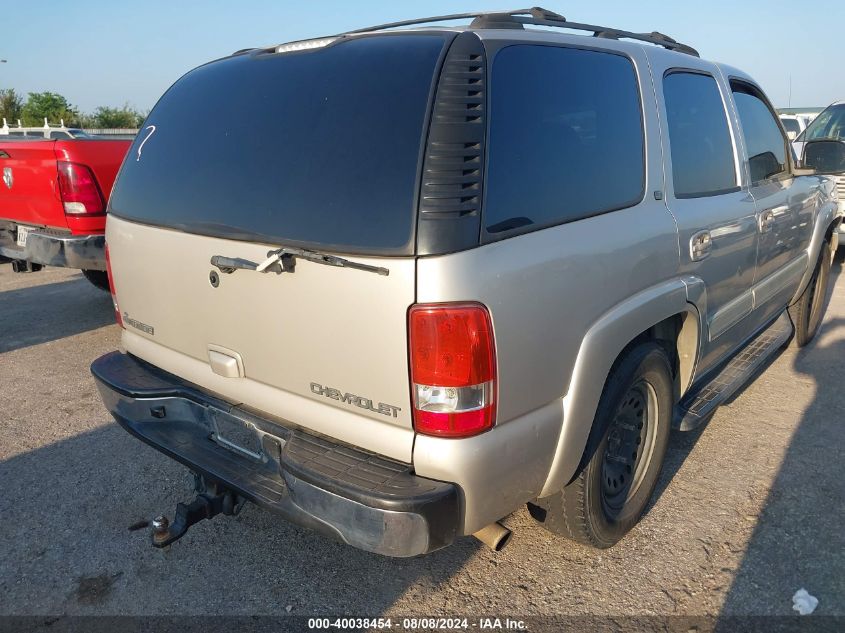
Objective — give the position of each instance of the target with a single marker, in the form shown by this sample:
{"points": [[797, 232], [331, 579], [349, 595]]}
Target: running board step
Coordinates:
{"points": [[697, 405]]}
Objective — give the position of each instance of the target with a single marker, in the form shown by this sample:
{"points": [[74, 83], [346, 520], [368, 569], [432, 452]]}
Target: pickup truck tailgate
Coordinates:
{"points": [[28, 193]]}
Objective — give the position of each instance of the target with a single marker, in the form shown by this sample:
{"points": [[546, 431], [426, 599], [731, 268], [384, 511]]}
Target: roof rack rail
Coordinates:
{"points": [[5, 129], [537, 16]]}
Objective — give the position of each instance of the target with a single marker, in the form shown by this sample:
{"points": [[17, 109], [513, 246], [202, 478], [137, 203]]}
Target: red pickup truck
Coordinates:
{"points": [[53, 202]]}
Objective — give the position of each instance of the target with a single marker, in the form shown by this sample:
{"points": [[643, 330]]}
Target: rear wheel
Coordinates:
{"points": [[807, 312], [97, 277], [623, 457]]}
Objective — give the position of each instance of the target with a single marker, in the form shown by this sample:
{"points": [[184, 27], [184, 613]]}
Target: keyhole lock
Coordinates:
{"points": [[214, 278]]}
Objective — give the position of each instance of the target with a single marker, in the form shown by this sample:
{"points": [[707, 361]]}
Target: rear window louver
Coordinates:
{"points": [[453, 168]]}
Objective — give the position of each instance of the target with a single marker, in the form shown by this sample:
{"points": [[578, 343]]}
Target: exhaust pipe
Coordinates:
{"points": [[495, 536]]}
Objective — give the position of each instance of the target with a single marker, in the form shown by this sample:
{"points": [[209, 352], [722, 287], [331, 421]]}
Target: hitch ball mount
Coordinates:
{"points": [[212, 499]]}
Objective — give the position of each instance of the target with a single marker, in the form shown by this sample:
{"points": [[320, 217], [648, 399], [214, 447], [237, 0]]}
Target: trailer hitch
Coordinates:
{"points": [[212, 499]]}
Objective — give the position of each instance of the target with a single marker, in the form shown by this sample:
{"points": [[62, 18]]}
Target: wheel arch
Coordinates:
{"points": [[663, 313], [832, 234], [827, 222]]}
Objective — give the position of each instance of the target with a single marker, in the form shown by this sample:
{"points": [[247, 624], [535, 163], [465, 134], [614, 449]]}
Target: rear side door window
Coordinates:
{"points": [[764, 141], [566, 138], [791, 125], [699, 138]]}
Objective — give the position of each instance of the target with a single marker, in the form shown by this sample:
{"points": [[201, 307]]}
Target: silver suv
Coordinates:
{"points": [[420, 278]]}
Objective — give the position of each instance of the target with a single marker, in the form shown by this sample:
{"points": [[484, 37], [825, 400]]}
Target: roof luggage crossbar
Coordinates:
{"points": [[537, 16], [6, 129]]}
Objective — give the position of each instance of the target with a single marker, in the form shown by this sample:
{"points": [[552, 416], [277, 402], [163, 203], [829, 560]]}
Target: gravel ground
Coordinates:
{"points": [[749, 509]]}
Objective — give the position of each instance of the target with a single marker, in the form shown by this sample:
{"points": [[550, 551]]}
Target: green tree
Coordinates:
{"points": [[125, 117], [54, 107], [11, 105]]}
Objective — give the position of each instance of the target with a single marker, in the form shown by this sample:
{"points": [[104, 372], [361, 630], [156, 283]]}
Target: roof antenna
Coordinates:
{"points": [[789, 103]]}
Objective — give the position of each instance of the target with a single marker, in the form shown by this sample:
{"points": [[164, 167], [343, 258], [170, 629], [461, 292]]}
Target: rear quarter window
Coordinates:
{"points": [[566, 138]]}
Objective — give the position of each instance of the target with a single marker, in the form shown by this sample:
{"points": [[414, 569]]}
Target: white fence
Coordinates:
{"points": [[112, 131]]}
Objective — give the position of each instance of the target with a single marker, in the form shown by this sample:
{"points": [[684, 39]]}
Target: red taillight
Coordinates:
{"points": [[453, 369], [117, 316], [79, 190]]}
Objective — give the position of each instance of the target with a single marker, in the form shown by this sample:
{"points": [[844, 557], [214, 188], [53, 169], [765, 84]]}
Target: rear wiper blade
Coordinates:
{"points": [[284, 260], [290, 253]]}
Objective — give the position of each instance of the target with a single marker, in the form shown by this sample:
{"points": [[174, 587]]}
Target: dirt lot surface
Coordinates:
{"points": [[750, 507]]}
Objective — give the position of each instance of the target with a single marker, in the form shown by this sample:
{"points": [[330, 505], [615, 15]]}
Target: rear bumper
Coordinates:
{"points": [[84, 252], [359, 498]]}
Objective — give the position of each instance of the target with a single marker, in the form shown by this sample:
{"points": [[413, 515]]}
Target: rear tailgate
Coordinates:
{"points": [[323, 348], [28, 194], [319, 150]]}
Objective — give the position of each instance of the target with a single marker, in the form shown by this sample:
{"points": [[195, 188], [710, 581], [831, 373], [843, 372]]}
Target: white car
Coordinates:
{"points": [[793, 124]]}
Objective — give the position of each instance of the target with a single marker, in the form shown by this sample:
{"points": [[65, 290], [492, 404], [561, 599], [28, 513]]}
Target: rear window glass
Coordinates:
{"points": [[308, 148], [566, 137]]}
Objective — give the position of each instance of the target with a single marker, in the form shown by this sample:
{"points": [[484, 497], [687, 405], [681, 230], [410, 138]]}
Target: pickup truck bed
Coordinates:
{"points": [[53, 200]]}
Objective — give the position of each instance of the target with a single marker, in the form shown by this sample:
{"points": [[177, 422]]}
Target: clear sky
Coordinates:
{"points": [[111, 52]]}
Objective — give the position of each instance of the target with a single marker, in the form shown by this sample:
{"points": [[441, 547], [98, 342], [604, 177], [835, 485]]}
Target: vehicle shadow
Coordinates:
{"points": [[798, 541], [682, 443], [48, 312], [68, 548]]}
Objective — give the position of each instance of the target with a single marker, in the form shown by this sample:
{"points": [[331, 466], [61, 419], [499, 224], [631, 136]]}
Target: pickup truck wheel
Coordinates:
{"points": [[98, 278], [623, 457], [807, 312]]}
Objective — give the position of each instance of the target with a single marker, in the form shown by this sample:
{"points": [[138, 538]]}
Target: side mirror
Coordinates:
{"points": [[825, 156]]}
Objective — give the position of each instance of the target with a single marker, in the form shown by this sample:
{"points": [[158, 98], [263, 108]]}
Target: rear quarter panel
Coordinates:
{"points": [[564, 302]]}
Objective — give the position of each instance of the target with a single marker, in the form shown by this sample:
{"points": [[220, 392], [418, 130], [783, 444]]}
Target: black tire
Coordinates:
{"points": [[808, 311], [97, 277], [609, 494]]}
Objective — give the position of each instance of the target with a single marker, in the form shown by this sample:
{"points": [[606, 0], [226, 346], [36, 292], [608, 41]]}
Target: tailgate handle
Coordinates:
{"points": [[225, 362]]}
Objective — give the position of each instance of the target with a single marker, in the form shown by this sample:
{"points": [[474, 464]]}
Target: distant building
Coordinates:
{"points": [[813, 110]]}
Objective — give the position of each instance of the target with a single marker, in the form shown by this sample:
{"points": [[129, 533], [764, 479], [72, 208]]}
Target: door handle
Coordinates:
{"points": [[766, 220], [700, 245]]}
